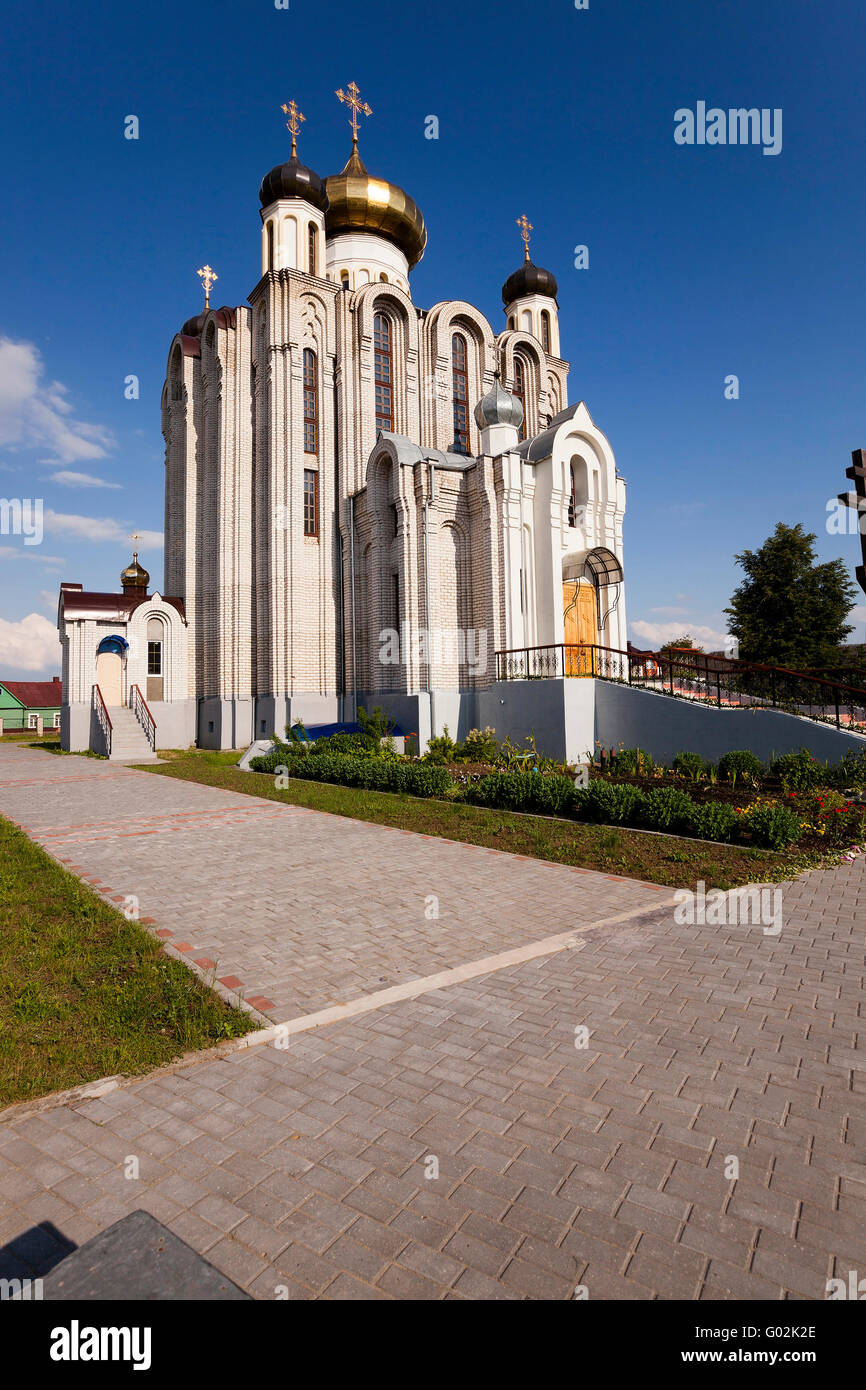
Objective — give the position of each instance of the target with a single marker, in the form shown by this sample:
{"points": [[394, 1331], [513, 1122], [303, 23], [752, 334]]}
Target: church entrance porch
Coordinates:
{"points": [[580, 612]]}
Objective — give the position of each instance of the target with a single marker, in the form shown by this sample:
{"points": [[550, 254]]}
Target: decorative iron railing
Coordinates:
{"points": [[138, 705], [696, 676], [104, 718]]}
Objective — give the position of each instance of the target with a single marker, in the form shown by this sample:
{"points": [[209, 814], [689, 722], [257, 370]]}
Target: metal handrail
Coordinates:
{"points": [[715, 676], [104, 718], [137, 703]]}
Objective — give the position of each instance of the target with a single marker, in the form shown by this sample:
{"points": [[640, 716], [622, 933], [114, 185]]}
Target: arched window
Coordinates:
{"points": [[384, 277], [312, 247], [545, 330], [510, 320], [383, 374], [459, 394], [519, 391], [270, 246], [311, 402], [344, 279], [579, 495]]}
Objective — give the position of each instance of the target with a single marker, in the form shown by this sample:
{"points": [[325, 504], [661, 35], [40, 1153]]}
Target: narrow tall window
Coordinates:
{"points": [[311, 502], [312, 246], [311, 402], [572, 500], [545, 330], [344, 279], [520, 392], [460, 394], [383, 374], [270, 246], [154, 658]]}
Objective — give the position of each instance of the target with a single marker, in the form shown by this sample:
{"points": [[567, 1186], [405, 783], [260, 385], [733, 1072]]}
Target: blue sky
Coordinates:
{"points": [[704, 261]]}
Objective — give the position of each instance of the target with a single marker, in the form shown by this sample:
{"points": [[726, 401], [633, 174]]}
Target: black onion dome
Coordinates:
{"points": [[293, 180], [529, 279], [192, 328]]}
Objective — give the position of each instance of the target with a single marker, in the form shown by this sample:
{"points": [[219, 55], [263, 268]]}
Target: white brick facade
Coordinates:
{"points": [[285, 625]]}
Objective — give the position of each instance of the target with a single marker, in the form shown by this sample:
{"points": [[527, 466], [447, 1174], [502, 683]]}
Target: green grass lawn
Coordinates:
{"points": [[84, 993], [665, 859]]}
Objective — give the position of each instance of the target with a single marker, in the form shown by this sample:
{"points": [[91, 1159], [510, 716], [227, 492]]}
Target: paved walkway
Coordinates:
{"points": [[459, 1144], [301, 909]]}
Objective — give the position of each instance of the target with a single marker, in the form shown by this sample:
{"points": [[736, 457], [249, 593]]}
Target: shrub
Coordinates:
{"points": [[479, 746], [375, 774], [715, 820], [374, 726], [771, 826], [441, 749], [632, 761], [849, 772], [609, 802], [351, 745], [799, 771], [688, 765], [667, 808], [524, 791], [742, 764]]}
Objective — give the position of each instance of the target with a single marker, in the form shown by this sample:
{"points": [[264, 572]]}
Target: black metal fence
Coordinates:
{"points": [[689, 675]]}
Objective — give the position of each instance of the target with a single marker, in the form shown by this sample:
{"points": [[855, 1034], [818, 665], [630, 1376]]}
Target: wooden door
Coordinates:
{"points": [[581, 627], [109, 677]]}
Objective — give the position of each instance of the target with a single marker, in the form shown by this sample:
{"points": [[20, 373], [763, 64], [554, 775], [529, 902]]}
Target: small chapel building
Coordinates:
{"points": [[366, 502]]}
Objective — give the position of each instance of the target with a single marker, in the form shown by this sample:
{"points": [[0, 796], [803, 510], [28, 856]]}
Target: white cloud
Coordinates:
{"points": [[31, 644], [656, 634], [17, 552], [90, 528], [36, 413], [67, 478]]}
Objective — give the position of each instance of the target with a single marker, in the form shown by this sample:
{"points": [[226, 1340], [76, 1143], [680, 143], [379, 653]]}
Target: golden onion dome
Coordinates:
{"points": [[361, 203], [135, 576]]}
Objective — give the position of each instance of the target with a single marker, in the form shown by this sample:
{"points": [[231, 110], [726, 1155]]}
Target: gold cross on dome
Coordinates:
{"points": [[135, 538], [352, 100], [207, 278], [525, 228], [293, 124]]}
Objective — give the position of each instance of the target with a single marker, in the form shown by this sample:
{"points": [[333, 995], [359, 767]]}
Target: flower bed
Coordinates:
{"points": [[751, 804]]}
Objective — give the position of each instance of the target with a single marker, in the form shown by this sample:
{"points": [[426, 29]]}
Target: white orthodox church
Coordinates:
{"points": [[366, 502]]}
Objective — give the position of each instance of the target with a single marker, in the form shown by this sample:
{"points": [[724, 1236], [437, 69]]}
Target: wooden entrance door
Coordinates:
{"points": [[581, 627], [109, 677]]}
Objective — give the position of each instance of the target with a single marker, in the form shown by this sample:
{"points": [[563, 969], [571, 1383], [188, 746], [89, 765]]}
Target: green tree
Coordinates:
{"points": [[790, 610], [685, 641]]}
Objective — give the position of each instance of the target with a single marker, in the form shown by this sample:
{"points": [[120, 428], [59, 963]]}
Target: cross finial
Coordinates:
{"points": [[207, 278], [293, 124], [135, 538], [525, 228], [352, 100]]}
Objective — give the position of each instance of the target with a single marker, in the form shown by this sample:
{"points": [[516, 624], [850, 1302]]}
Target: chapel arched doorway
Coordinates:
{"points": [[110, 661], [580, 611]]}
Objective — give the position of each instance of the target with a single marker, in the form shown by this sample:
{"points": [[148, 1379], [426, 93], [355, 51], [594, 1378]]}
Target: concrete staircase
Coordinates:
{"points": [[128, 740]]}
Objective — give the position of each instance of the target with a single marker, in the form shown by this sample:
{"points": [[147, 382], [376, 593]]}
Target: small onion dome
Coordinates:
{"points": [[135, 576], [361, 203], [192, 328], [498, 407], [293, 180], [529, 279]]}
